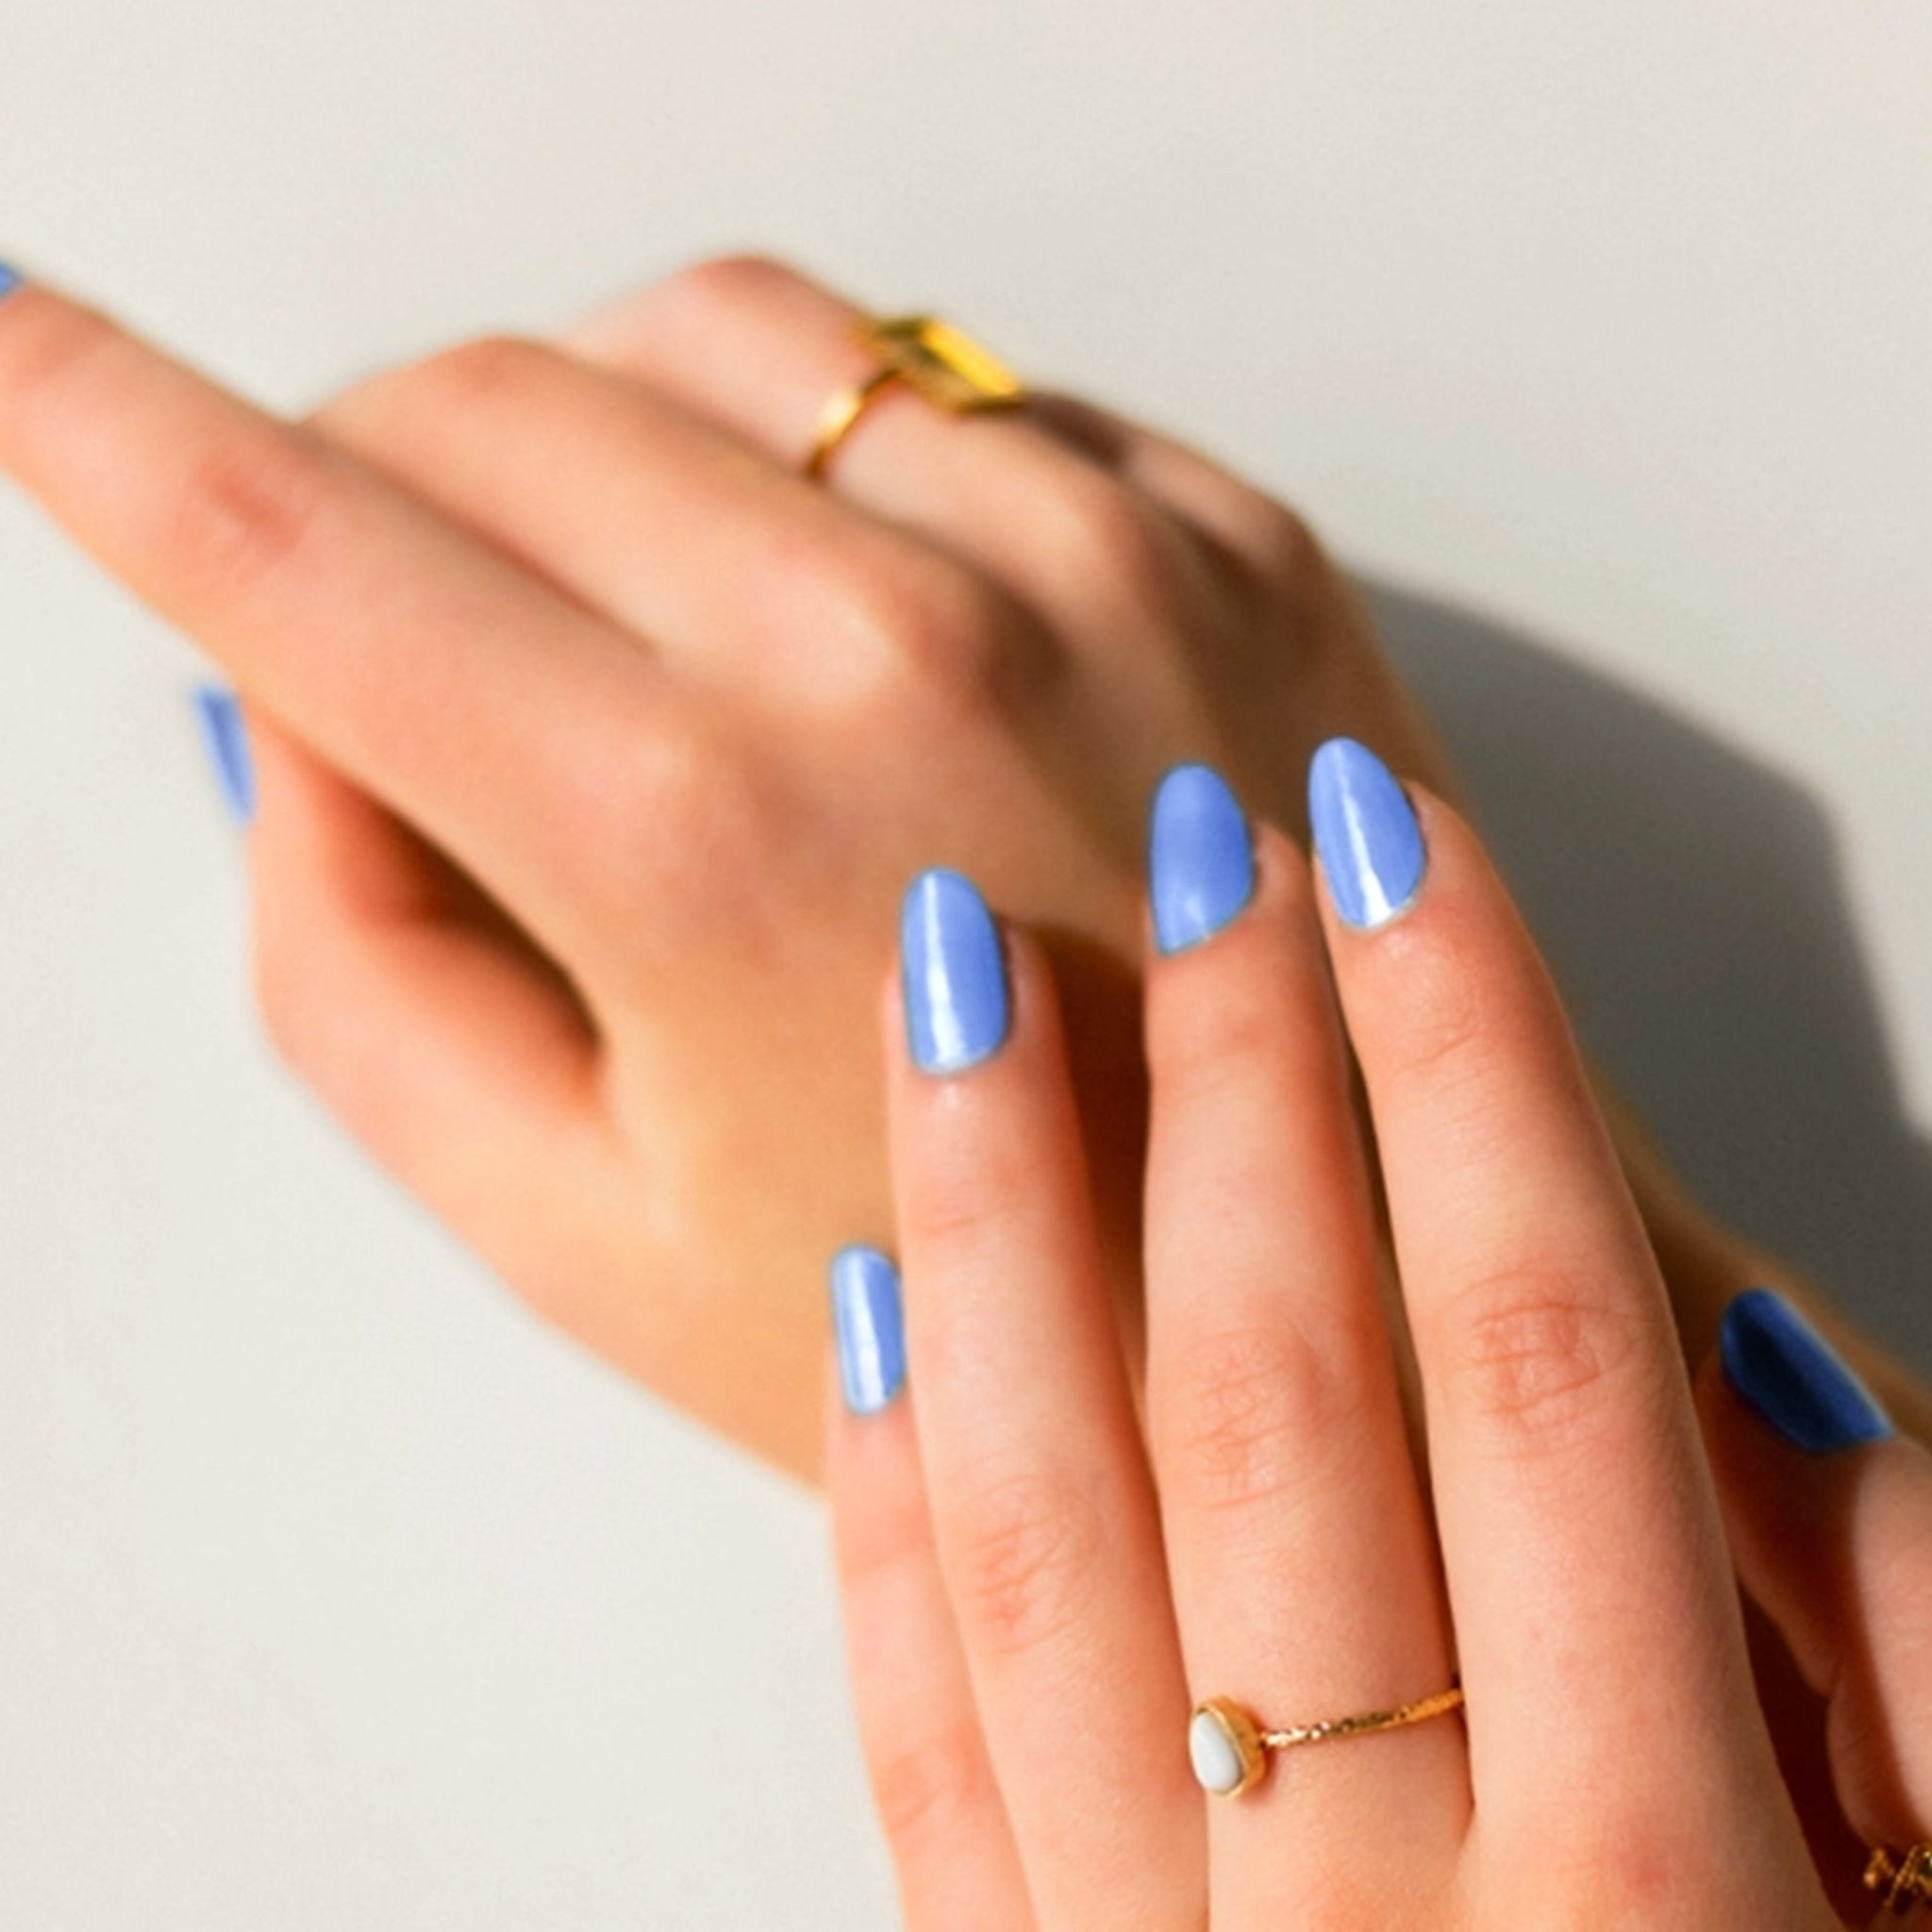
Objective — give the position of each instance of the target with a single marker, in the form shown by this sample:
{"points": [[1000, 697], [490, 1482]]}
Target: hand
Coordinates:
{"points": [[595, 746], [1034, 1600]]}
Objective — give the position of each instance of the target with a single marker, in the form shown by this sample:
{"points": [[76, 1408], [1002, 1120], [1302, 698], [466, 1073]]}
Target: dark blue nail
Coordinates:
{"points": [[1200, 860], [1789, 1375], [869, 1328], [11, 278], [225, 737], [954, 973], [1366, 833]]}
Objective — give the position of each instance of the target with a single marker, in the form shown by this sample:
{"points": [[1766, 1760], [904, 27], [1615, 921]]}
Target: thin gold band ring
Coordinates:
{"points": [[1228, 1746], [942, 363]]}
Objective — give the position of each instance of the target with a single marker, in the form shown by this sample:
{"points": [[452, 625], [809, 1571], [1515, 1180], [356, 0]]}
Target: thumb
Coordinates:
{"points": [[1829, 1512]]}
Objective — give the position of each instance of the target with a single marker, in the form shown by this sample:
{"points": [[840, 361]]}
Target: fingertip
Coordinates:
{"points": [[225, 738], [1790, 1377], [867, 1324], [953, 964], [1368, 837]]}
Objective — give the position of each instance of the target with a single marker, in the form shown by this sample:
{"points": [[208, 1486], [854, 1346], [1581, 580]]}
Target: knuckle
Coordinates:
{"points": [[666, 814], [1535, 1353], [454, 382], [1105, 537], [475, 372], [931, 1783], [1022, 1554], [918, 620], [1284, 550], [247, 513], [740, 279], [1240, 1409]]}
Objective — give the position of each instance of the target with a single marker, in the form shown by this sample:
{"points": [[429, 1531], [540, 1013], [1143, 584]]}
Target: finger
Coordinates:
{"points": [[433, 1030], [932, 1780], [1304, 1568], [1043, 1515], [736, 568], [761, 349], [1581, 1539], [429, 668], [1256, 532], [1830, 1521]]}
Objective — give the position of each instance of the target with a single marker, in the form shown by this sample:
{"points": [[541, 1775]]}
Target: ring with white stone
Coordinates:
{"points": [[1228, 1748]]}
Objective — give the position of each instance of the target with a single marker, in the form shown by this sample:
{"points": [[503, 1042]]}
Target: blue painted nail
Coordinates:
{"points": [[1366, 833], [1200, 860], [869, 1328], [954, 973], [224, 736], [11, 278], [1789, 1375]]}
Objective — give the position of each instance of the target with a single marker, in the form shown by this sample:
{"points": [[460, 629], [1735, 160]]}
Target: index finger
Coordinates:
{"points": [[433, 669], [1581, 1538]]}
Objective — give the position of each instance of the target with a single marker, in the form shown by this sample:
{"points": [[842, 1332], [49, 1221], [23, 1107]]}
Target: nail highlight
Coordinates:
{"points": [[1200, 858], [1786, 1371], [225, 738], [1366, 833], [869, 1328], [954, 973]]}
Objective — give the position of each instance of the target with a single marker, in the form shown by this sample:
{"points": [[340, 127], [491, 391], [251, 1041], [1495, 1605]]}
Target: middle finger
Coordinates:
{"points": [[1304, 1571]]}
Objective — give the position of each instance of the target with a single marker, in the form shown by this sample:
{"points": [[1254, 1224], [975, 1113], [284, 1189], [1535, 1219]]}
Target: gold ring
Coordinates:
{"points": [[944, 364], [1904, 1877], [1228, 1747]]}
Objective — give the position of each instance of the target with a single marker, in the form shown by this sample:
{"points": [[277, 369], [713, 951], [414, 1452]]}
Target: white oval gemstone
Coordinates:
{"points": [[1212, 1753]]}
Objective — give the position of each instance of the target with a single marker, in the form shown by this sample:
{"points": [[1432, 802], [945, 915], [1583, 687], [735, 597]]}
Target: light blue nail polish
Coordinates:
{"points": [[1200, 859], [870, 1327], [1790, 1375], [11, 278], [225, 737], [954, 972], [1366, 833]]}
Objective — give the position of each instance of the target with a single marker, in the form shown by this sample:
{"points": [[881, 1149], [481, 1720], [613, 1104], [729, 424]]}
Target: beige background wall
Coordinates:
{"points": [[334, 1594]]}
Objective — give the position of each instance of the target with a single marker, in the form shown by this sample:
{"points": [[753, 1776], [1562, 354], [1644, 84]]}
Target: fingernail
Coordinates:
{"points": [[1200, 860], [1792, 1377], [11, 278], [869, 1328], [1366, 833], [954, 973], [225, 737]]}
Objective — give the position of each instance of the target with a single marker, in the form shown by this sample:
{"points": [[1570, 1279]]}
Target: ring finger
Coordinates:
{"points": [[1304, 1571]]}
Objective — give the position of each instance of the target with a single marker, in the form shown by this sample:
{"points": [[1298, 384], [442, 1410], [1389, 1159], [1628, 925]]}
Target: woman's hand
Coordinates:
{"points": [[596, 745], [1035, 1599]]}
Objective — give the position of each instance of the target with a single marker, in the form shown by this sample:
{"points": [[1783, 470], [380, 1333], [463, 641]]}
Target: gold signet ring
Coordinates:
{"points": [[944, 364], [1228, 1747]]}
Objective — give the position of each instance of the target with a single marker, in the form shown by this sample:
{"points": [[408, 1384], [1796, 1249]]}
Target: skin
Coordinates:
{"points": [[1036, 1589], [595, 748]]}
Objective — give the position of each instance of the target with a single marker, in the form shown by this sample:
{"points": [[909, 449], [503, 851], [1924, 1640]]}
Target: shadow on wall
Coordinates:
{"points": [[1689, 902]]}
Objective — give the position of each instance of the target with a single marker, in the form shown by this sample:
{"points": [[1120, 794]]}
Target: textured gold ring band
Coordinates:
{"points": [[1902, 1880], [1228, 1745], [942, 363]]}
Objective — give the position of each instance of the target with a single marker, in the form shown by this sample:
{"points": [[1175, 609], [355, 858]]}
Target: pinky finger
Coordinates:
{"points": [[932, 1780], [1829, 1513]]}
